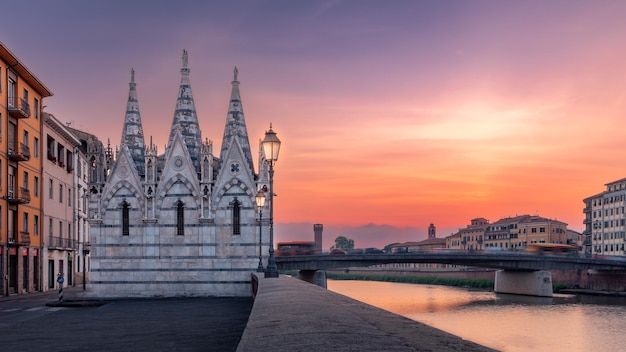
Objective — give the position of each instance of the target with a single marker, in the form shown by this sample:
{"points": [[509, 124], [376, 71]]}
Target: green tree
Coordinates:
{"points": [[344, 243]]}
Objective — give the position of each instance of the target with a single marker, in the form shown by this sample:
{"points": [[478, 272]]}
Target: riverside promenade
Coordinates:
{"points": [[292, 315]]}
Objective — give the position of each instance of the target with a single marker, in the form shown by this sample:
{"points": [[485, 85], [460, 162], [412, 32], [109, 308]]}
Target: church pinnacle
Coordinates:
{"points": [[236, 124], [132, 134], [185, 119]]}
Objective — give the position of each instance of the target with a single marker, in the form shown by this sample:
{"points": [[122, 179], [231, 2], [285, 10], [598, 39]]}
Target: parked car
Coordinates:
{"points": [[373, 251], [337, 251], [356, 251]]}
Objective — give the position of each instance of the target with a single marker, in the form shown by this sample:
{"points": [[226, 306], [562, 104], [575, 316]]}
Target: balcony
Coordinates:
{"points": [[62, 243], [18, 196], [22, 240], [21, 110], [21, 153]]}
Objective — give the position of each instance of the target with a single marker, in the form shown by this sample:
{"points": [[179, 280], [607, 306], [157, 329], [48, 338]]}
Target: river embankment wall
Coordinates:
{"points": [[584, 279]]}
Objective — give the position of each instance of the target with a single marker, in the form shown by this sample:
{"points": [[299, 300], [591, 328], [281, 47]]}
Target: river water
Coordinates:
{"points": [[504, 322]]}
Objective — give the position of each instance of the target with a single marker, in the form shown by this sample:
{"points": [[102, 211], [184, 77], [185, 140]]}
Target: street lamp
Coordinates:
{"points": [[271, 147], [260, 203]]}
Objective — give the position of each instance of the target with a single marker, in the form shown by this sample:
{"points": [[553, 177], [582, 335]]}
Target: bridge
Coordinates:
{"points": [[519, 272]]}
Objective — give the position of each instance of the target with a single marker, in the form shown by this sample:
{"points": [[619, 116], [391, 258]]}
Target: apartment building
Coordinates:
{"points": [[21, 101], [605, 220], [511, 233], [81, 195], [59, 235]]}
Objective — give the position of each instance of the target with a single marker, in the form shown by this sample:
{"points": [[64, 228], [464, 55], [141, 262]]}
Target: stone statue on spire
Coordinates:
{"points": [[236, 72], [185, 59]]}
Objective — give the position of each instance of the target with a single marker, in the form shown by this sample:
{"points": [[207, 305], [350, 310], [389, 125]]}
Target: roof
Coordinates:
{"points": [[16, 65]]}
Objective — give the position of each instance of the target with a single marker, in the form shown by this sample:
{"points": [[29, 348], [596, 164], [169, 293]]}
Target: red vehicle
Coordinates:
{"points": [[294, 248], [337, 251]]}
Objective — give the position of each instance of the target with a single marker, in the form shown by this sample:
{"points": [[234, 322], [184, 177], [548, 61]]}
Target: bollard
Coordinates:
{"points": [[60, 282]]}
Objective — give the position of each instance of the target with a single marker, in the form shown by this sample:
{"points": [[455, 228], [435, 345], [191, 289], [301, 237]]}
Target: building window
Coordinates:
{"points": [[25, 138], [51, 189], [542, 229], [236, 217], [25, 182], [533, 230], [60, 193], [125, 219], [11, 92], [36, 147], [36, 108], [36, 225], [180, 219], [36, 185], [60, 229], [25, 229], [69, 197], [50, 228], [51, 149]]}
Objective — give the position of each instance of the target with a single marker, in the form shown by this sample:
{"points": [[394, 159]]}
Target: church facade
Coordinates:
{"points": [[181, 223]]}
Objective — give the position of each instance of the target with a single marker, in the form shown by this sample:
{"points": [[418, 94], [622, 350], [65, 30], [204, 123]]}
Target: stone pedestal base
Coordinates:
{"points": [[317, 277]]}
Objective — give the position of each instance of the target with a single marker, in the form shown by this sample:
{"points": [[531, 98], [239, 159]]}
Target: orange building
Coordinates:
{"points": [[21, 101]]}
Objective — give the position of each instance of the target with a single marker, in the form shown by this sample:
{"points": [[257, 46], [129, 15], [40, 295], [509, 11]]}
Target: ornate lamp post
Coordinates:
{"points": [[260, 203], [271, 147]]}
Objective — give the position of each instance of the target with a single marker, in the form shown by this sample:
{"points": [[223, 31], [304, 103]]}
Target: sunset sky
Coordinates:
{"points": [[395, 114]]}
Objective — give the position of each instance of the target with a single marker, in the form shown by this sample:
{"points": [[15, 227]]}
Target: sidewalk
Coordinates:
{"points": [[71, 292]]}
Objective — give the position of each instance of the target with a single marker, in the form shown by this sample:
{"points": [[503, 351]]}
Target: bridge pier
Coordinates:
{"points": [[317, 277], [530, 283]]}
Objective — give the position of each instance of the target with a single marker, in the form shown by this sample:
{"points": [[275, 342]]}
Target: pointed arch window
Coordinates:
{"points": [[180, 218], [236, 217], [125, 218]]}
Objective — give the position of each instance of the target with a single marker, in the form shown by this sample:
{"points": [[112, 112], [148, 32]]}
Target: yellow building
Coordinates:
{"points": [[516, 233], [21, 101]]}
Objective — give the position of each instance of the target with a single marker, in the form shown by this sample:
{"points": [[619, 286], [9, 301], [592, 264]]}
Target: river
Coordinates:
{"points": [[509, 323]]}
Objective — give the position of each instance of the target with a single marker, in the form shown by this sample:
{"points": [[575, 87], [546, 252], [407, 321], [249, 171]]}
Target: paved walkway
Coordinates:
{"points": [[175, 324], [290, 315]]}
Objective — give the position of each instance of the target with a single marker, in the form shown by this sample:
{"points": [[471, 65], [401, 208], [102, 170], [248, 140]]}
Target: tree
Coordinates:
{"points": [[344, 243]]}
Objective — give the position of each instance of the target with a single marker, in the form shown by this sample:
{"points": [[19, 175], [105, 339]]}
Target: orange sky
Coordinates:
{"points": [[404, 115]]}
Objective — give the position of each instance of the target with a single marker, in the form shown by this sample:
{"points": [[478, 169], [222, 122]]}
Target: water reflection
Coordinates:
{"points": [[501, 321]]}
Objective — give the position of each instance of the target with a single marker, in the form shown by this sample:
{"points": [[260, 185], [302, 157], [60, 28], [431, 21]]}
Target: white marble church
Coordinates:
{"points": [[181, 223]]}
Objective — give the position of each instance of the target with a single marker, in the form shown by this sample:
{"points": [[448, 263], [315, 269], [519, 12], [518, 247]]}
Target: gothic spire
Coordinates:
{"points": [[185, 118], [132, 134], [236, 124]]}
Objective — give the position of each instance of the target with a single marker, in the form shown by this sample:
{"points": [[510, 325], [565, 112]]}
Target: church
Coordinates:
{"points": [[181, 223]]}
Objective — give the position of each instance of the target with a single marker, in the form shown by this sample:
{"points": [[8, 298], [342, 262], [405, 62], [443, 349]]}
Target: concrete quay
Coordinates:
{"points": [[293, 315]]}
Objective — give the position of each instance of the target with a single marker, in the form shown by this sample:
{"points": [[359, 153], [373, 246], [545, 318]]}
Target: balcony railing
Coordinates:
{"points": [[18, 195], [21, 239], [21, 152], [24, 239], [19, 108], [62, 243]]}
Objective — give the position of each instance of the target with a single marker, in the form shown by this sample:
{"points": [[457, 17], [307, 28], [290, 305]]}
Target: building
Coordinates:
{"points": [[22, 95], [510, 233], [469, 238], [605, 220], [92, 146], [182, 223], [61, 244]]}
